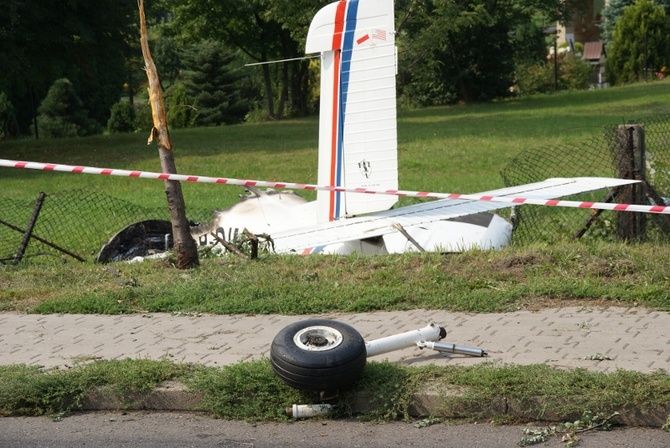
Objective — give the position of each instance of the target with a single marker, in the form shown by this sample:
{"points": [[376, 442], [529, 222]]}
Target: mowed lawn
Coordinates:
{"points": [[447, 149], [459, 149]]}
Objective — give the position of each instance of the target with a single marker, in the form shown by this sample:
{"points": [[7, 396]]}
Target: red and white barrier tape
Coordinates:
{"points": [[296, 186]]}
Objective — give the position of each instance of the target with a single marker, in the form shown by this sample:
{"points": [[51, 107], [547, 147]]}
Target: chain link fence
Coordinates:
{"points": [[635, 150], [70, 225], [75, 224]]}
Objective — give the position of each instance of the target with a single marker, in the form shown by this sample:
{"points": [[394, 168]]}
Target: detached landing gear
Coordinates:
{"points": [[326, 355]]}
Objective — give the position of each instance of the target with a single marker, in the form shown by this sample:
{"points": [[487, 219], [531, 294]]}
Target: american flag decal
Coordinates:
{"points": [[378, 34]]}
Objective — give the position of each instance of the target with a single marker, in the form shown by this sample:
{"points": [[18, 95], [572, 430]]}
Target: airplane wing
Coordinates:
{"points": [[305, 240]]}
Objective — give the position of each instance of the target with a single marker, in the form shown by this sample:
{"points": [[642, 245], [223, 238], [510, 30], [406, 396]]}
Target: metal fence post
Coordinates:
{"points": [[29, 230]]}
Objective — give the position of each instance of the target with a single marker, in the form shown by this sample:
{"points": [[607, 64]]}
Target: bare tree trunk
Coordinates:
{"points": [[185, 248], [269, 96]]}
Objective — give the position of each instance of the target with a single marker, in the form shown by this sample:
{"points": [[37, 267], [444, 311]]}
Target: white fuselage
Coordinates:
{"points": [[357, 150], [277, 212]]}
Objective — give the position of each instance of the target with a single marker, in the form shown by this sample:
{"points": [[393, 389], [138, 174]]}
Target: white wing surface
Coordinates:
{"points": [[310, 239]]}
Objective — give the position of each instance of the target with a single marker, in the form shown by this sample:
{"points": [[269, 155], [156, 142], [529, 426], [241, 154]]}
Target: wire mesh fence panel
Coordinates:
{"points": [[71, 223], [599, 156], [77, 223]]}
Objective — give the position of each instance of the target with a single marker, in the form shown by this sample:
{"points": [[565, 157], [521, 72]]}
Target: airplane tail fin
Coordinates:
{"points": [[357, 127]]}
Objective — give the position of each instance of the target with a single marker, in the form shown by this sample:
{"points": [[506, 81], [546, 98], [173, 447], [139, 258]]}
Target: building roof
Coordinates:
{"points": [[593, 50]]}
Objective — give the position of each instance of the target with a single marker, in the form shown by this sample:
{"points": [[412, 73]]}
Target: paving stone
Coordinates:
{"points": [[597, 339]]}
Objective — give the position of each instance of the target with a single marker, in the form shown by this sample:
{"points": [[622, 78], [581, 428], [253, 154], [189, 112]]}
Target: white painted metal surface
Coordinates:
{"points": [[357, 118], [387, 344], [432, 223]]}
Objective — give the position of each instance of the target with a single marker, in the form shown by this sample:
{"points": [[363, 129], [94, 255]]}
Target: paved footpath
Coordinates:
{"points": [[598, 339]]}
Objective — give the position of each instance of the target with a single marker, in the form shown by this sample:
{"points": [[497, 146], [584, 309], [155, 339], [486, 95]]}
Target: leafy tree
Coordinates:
{"points": [[529, 44], [641, 40], [169, 58], [28, 66], [454, 52], [44, 40], [613, 11], [421, 42], [295, 16], [466, 50], [474, 65], [62, 113], [262, 31], [214, 85]]}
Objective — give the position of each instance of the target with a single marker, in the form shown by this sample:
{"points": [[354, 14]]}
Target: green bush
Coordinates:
{"points": [[534, 78], [180, 111], [574, 73], [62, 113], [8, 126], [143, 119], [56, 127], [122, 118], [640, 40]]}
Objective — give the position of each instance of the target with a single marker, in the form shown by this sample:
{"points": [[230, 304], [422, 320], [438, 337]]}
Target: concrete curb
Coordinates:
{"points": [[169, 396], [175, 396]]}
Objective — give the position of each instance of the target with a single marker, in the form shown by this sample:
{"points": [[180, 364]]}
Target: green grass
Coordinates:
{"points": [[458, 148], [477, 281], [250, 391], [449, 149], [30, 390], [504, 394]]}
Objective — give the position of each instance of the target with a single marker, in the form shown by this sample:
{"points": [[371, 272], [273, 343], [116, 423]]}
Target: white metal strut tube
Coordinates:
{"points": [[408, 339]]}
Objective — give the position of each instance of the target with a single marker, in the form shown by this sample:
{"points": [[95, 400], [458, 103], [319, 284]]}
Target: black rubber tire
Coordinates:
{"points": [[326, 369], [137, 239]]}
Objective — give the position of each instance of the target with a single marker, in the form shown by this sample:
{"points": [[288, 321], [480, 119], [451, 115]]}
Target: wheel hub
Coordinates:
{"points": [[318, 338]]}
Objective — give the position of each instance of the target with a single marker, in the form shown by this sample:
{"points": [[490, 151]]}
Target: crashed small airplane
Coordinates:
{"points": [[357, 169], [358, 149]]}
